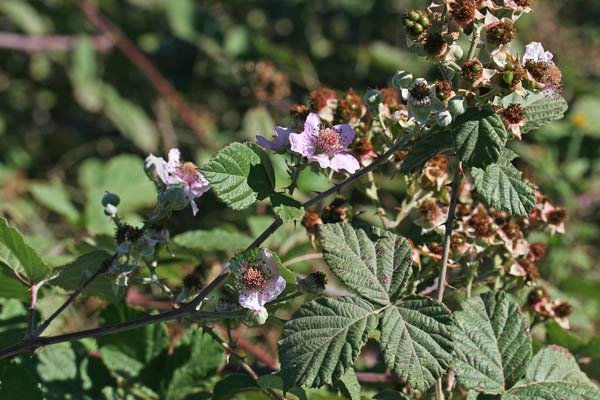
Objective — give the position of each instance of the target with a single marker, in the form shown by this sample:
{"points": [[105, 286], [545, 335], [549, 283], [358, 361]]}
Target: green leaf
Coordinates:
{"points": [[555, 364], [16, 383], [217, 239], [492, 343], [24, 16], [374, 263], [479, 137], [123, 175], [287, 208], [71, 276], [555, 334], [389, 394], [416, 340], [233, 384], [10, 288], [323, 340], [349, 385], [195, 358], [130, 119], [19, 256], [425, 148], [274, 381], [543, 112], [501, 187], [257, 121], [57, 363], [552, 391], [55, 197], [240, 174]]}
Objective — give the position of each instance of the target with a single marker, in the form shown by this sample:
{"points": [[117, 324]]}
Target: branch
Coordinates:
{"points": [[115, 328], [36, 44], [162, 85]]}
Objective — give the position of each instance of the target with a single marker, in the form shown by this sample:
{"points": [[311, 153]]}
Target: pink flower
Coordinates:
{"points": [[280, 139], [327, 146], [175, 173], [257, 279]]}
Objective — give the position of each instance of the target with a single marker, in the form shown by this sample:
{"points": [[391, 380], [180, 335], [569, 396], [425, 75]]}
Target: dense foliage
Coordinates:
{"points": [[161, 238]]}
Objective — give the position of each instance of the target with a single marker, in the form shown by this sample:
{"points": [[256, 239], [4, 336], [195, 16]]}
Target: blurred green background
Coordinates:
{"points": [[77, 116]]}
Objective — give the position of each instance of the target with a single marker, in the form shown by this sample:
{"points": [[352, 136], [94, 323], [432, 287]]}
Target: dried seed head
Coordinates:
{"points": [[563, 310], [501, 32], [472, 70], [463, 11], [435, 45], [443, 90], [557, 216], [513, 114]]}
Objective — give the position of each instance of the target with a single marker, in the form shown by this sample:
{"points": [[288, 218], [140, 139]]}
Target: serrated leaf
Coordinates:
{"points": [[552, 391], [240, 174], [72, 275], [323, 340], [349, 385], [274, 381], [16, 383], [57, 363], [501, 187], [286, 207], [555, 334], [195, 358], [19, 256], [374, 263], [479, 137], [217, 239], [543, 112], [423, 149], [492, 343], [555, 364], [416, 340]]}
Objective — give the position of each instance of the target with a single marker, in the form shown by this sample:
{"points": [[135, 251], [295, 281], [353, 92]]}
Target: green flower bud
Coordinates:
{"points": [[255, 318], [444, 118], [110, 198], [457, 105], [372, 99], [402, 79]]}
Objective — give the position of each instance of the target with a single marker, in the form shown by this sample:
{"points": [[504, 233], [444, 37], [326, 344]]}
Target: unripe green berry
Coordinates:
{"points": [[409, 23], [413, 15], [508, 77], [476, 68], [418, 28], [110, 198], [424, 21]]}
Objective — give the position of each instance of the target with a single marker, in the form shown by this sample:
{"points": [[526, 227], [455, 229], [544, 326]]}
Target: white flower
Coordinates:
{"points": [[534, 51]]}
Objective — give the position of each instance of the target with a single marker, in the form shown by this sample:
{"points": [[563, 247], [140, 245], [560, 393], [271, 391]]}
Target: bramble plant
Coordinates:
{"points": [[446, 284]]}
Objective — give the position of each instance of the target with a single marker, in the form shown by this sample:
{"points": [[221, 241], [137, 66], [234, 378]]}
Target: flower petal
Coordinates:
{"points": [[312, 124], [323, 160], [346, 133], [174, 159], [281, 139], [251, 300], [302, 143], [272, 291], [346, 161]]}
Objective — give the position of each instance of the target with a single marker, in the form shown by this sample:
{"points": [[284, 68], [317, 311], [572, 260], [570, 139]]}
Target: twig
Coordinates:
{"points": [[439, 389], [36, 44], [447, 236], [33, 290], [67, 302], [162, 85], [105, 330]]}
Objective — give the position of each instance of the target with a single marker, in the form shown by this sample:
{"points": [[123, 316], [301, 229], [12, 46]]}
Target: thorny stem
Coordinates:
{"points": [[190, 307], [439, 389]]}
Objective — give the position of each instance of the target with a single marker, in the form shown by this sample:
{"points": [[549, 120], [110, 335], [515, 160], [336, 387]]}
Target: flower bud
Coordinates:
{"points": [[313, 283], [173, 199], [110, 198], [110, 210], [255, 317], [372, 99], [402, 79], [444, 118], [457, 105]]}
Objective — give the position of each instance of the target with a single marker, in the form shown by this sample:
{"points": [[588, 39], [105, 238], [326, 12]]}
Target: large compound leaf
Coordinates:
{"points": [[553, 374], [323, 340], [416, 339], [479, 137], [543, 112], [492, 343], [19, 256], [240, 174], [374, 263], [501, 187]]}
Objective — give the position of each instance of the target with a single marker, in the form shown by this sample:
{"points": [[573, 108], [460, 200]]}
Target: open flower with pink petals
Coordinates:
{"points": [[257, 278], [175, 173], [326, 145]]}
